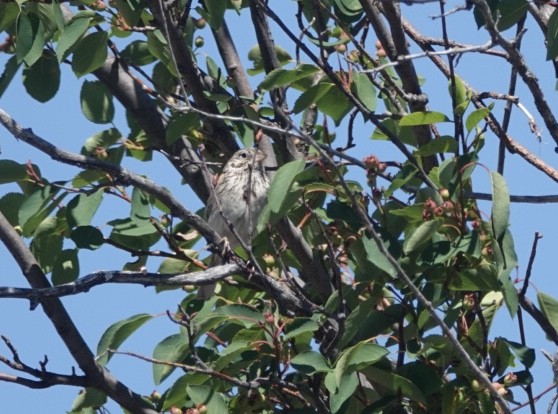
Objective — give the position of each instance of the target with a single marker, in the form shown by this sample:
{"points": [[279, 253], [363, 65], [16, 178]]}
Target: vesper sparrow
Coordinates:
{"points": [[240, 206]]}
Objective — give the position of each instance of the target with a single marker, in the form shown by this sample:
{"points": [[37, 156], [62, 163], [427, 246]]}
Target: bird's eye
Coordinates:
{"points": [[243, 154]]}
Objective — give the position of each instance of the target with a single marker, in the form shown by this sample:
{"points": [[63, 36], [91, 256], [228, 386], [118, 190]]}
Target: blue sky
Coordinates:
{"points": [[61, 122]]}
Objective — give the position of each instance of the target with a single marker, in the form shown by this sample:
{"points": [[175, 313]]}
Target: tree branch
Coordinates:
{"points": [[68, 332]]}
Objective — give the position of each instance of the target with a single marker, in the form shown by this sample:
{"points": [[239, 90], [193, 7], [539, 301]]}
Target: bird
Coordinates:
{"points": [[234, 200]]}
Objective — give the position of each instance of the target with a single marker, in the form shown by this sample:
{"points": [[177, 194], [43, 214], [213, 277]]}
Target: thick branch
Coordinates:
{"points": [[68, 332], [84, 284]]}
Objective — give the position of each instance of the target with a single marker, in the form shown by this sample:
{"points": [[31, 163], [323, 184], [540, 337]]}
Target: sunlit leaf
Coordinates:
{"points": [[423, 118], [117, 333], [173, 348]]}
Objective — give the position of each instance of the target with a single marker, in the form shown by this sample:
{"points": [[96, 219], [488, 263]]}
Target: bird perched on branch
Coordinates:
{"points": [[238, 199]]}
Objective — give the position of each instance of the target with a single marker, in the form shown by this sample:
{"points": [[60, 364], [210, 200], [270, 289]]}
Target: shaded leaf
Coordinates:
{"points": [[46, 67], [552, 36], [11, 171], [299, 326], [511, 12], [10, 69], [87, 237], [284, 77], [207, 395], [66, 267], [96, 102], [137, 52], [422, 235], [357, 357], [310, 362], [9, 206]]}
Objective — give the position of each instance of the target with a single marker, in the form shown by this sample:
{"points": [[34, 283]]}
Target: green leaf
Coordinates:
{"points": [[117, 333], [396, 383], [87, 237], [420, 236], [285, 77], [10, 69], [90, 53], [176, 395], [364, 90], [215, 12], [103, 139], [310, 362], [180, 125], [281, 193], [328, 98], [376, 257], [86, 178], [423, 118], [255, 56], [24, 36], [130, 10], [96, 102], [552, 36], [71, 34], [523, 353], [461, 98], [299, 326], [207, 395], [9, 12], [134, 234], [37, 207], [475, 117], [39, 41], [500, 205], [11, 171], [10, 204], [247, 315], [340, 393], [66, 267], [140, 208], [89, 398], [82, 208], [357, 357], [174, 348], [42, 80], [46, 249], [511, 12], [549, 307], [438, 146], [137, 53], [282, 183]]}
